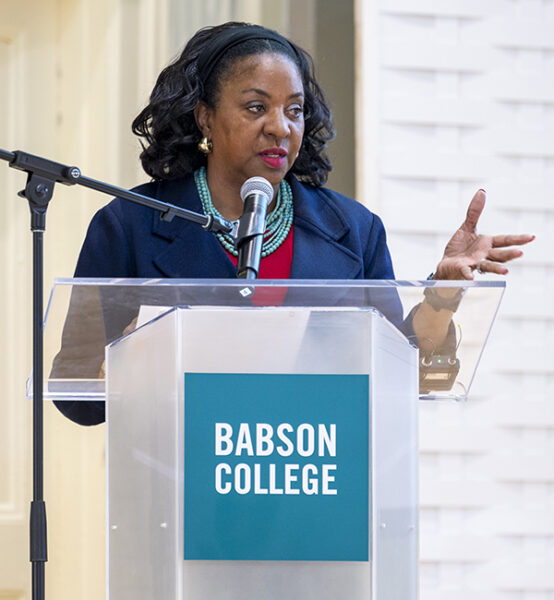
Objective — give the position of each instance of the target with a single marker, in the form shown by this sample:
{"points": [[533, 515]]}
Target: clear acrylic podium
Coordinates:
{"points": [[330, 369]]}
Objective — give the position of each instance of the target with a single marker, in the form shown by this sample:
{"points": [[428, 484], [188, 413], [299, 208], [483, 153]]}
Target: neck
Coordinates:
{"points": [[226, 198]]}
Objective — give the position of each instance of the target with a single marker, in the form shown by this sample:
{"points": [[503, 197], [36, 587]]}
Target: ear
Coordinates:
{"points": [[202, 115]]}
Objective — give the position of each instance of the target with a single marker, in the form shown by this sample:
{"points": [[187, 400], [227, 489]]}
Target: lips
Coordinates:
{"points": [[274, 157]]}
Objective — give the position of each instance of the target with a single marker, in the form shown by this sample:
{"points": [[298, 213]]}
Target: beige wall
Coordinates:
{"points": [[26, 62]]}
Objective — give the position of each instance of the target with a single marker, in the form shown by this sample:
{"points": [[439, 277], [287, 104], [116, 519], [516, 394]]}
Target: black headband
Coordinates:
{"points": [[233, 36]]}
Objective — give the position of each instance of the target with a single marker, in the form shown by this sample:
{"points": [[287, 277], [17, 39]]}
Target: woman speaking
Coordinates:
{"points": [[242, 101]]}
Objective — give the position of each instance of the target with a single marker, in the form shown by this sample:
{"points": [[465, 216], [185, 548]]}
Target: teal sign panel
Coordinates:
{"points": [[276, 467]]}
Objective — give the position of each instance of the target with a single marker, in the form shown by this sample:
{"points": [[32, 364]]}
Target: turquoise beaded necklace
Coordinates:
{"points": [[278, 223]]}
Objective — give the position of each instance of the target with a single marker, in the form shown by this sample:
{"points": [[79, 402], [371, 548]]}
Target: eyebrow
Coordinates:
{"points": [[264, 93]]}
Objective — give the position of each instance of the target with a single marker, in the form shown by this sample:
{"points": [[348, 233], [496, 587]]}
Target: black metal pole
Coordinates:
{"points": [[38, 545], [38, 192]]}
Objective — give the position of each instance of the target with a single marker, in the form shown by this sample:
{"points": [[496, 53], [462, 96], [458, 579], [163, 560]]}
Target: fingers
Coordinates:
{"points": [[467, 272], [499, 253], [474, 211], [501, 241], [494, 260], [503, 256], [488, 266]]}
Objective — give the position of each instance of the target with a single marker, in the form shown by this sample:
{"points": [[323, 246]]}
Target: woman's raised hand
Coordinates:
{"points": [[468, 251]]}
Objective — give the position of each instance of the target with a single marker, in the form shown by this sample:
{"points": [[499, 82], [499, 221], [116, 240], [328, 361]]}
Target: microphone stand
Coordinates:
{"points": [[42, 175]]}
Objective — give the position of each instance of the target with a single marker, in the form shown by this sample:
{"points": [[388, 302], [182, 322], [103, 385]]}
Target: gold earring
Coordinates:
{"points": [[205, 145]]}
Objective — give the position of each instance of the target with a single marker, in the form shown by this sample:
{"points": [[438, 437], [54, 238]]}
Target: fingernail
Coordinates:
{"points": [[482, 190]]}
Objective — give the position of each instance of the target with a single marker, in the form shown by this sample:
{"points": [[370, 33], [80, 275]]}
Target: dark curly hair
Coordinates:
{"points": [[169, 128]]}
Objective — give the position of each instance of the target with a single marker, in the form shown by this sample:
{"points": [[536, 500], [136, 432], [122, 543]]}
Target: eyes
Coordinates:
{"points": [[295, 111]]}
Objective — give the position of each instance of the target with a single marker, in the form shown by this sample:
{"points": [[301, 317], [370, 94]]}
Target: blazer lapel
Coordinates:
{"points": [[318, 229], [191, 252]]}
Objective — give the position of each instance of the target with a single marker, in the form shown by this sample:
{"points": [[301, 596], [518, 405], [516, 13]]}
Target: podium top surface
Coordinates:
{"points": [[85, 315], [293, 283]]}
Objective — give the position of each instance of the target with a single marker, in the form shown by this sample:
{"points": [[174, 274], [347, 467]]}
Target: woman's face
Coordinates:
{"points": [[258, 123]]}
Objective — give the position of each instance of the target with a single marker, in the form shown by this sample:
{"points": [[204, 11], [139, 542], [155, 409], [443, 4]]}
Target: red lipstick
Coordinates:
{"points": [[274, 157]]}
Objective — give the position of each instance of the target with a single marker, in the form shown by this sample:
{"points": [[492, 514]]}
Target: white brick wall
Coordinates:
{"points": [[465, 99]]}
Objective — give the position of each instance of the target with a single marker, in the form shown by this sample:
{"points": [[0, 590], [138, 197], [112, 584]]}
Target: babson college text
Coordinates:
{"points": [[290, 460]]}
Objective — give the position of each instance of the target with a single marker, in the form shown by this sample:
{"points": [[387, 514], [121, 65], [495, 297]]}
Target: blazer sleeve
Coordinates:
{"points": [[377, 259], [105, 253]]}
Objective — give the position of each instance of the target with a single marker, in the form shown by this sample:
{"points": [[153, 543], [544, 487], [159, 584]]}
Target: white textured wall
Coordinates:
{"points": [[454, 96]]}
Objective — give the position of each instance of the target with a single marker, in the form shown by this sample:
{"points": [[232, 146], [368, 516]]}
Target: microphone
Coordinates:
{"points": [[256, 193]]}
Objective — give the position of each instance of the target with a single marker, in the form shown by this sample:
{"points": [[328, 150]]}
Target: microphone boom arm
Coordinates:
{"points": [[43, 172]]}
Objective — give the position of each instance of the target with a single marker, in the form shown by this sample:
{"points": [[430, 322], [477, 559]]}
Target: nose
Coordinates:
{"points": [[277, 125]]}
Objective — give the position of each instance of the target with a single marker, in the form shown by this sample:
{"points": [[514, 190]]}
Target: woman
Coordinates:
{"points": [[242, 101]]}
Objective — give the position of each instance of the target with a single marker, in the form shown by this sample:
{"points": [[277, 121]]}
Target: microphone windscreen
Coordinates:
{"points": [[257, 185]]}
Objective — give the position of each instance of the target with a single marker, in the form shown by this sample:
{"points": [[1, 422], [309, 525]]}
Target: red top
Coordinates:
{"points": [[275, 266]]}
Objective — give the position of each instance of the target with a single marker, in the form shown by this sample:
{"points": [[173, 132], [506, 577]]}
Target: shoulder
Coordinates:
{"points": [[123, 235], [324, 207], [173, 191]]}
